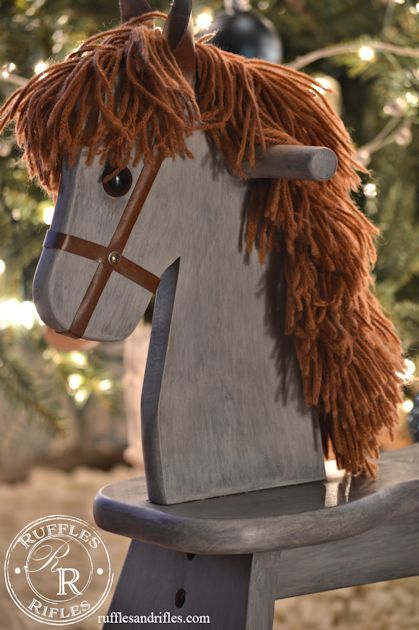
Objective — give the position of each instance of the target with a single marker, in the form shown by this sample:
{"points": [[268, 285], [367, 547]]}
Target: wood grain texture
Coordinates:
{"points": [[222, 408], [280, 518], [217, 586], [388, 551]]}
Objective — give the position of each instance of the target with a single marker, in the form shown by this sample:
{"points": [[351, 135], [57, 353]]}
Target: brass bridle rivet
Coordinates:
{"points": [[114, 258]]}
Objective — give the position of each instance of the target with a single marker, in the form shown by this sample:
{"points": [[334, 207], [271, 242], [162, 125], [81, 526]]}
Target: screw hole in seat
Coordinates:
{"points": [[180, 598]]}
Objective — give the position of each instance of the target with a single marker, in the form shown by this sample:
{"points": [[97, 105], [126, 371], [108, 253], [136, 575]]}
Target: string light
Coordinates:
{"points": [[204, 20], [40, 67], [2, 266], [411, 98], [75, 381], [8, 311], [62, 20], [407, 405], [366, 53], [410, 368], [78, 358], [27, 314], [370, 190], [105, 385], [7, 69], [47, 214], [14, 313], [409, 371], [81, 395]]}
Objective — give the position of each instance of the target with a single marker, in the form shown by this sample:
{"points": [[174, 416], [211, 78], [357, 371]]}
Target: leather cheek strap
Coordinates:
{"points": [[109, 258]]}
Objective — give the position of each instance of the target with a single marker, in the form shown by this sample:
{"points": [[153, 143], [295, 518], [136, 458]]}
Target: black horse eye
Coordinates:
{"points": [[119, 184]]}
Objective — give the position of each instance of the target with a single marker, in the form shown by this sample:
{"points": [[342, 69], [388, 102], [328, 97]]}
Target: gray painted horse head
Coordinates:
{"points": [[75, 288], [112, 240]]}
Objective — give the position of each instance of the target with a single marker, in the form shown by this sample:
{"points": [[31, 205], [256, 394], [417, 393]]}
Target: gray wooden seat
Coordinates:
{"points": [[276, 543]]}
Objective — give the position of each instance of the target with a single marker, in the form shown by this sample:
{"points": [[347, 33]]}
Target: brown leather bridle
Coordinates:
{"points": [[110, 258], [179, 34]]}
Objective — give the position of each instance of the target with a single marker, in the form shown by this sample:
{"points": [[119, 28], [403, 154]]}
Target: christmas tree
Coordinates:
{"points": [[362, 51]]}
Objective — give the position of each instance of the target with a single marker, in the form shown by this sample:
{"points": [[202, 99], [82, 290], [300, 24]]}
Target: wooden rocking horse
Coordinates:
{"points": [[252, 367]]}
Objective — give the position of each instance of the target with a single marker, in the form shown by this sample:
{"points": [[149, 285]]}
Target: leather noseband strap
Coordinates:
{"points": [[109, 258]]}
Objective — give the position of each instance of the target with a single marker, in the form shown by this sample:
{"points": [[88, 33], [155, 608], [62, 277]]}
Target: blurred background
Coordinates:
{"points": [[69, 410]]}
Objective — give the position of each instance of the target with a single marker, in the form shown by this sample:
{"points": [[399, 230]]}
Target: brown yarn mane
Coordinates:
{"points": [[122, 92]]}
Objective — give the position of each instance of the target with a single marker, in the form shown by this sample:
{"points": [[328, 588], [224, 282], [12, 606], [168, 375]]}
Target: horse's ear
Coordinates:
{"points": [[133, 8], [178, 32]]}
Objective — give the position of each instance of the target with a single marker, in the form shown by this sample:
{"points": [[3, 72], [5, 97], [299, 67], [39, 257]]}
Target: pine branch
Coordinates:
{"points": [[351, 47], [13, 79], [20, 389], [386, 135]]}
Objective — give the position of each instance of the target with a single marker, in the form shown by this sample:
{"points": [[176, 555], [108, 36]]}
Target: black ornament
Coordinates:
{"points": [[413, 419], [247, 34]]}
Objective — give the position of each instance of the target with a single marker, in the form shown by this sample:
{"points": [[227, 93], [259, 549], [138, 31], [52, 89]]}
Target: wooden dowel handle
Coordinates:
{"points": [[294, 162]]}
